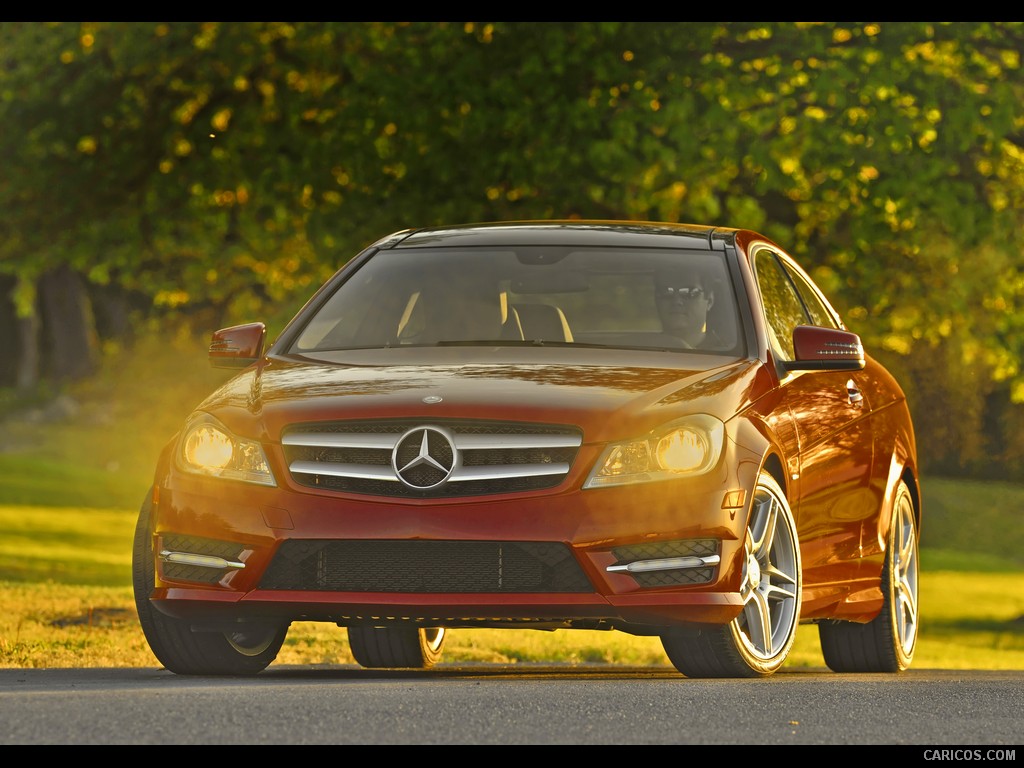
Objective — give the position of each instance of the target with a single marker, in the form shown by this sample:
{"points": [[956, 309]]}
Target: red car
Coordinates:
{"points": [[660, 429]]}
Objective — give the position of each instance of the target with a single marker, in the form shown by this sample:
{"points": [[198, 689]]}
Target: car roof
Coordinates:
{"points": [[577, 232]]}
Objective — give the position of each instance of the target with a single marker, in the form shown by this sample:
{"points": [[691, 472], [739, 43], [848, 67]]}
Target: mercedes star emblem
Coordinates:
{"points": [[425, 457]]}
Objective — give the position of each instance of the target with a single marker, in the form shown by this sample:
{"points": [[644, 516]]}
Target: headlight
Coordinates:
{"points": [[690, 446], [209, 448]]}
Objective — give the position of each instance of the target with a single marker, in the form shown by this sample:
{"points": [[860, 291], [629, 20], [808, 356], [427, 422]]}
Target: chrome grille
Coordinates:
{"points": [[485, 457]]}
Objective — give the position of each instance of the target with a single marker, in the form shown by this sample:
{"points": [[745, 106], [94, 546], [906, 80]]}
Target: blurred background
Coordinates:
{"points": [[161, 180]]}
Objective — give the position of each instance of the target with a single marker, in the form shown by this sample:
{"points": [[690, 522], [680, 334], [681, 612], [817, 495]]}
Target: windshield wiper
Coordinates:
{"points": [[482, 343]]}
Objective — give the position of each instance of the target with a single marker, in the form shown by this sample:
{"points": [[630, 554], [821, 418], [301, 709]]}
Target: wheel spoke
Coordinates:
{"points": [[905, 591], [780, 575], [759, 622], [778, 593], [906, 607], [251, 641], [434, 637], [767, 516], [906, 543]]}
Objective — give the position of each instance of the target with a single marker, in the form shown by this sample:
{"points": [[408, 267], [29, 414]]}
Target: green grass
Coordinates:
{"points": [[38, 480], [974, 521], [66, 545], [71, 485]]}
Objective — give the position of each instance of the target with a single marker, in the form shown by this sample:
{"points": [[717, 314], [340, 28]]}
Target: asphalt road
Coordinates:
{"points": [[454, 705]]}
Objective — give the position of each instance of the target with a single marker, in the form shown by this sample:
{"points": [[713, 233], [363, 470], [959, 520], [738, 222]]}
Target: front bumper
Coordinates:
{"points": [[629, 557]]}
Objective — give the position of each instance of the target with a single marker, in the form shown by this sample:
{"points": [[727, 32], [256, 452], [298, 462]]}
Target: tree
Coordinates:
{"points": [[223, 169]]}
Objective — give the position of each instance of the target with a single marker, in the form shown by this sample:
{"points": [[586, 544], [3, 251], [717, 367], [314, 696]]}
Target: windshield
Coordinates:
{"points": [[614, 297]]}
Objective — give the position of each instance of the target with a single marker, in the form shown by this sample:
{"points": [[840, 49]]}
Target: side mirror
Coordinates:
{"points": [[238, 346], [825, 349]]}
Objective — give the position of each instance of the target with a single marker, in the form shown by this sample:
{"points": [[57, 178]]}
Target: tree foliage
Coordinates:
{"points": [[229, 167]]}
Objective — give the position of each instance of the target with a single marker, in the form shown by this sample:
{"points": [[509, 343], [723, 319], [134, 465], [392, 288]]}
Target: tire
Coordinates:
{"points": [[887, 642], [757, 642], [246, 651], [400, 646]]}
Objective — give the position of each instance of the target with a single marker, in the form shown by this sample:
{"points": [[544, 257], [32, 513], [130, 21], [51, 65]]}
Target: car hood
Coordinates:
{"points": [[608, 394]]}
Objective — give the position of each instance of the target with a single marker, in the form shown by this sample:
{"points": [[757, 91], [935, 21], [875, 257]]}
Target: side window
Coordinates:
{"points": [[819, 313], [783, 310]]}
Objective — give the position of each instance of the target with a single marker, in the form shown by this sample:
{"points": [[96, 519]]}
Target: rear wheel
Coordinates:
{"points": [[757, 642], [245, 650], [886, 643], [399, 646]]}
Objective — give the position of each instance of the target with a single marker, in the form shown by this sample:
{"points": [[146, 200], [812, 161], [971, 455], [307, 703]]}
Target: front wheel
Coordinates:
{"points": [[396, 647], [245, 650], [757, 642], [886, 643]]}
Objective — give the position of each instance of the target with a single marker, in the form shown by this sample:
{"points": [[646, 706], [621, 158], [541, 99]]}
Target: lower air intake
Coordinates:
{"points": [[438, 567]]}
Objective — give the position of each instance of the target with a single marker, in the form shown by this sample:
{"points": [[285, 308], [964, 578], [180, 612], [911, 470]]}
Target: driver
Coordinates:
{"points": [[684, 298]]}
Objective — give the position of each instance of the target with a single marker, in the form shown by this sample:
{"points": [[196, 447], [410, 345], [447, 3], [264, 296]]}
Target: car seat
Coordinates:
{"points": [[544, 322]]}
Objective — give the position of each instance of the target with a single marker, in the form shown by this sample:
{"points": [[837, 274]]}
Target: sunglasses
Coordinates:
{"points": [[668, 292]]}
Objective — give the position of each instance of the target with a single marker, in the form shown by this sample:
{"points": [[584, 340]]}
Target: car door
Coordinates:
{"points": [[832, 491]]}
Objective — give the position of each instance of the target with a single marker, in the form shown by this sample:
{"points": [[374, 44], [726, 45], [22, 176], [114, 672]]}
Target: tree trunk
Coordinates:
{"points": [[112, 312], [19, 341], [68, 332], [27, 374], [9, 349]]}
